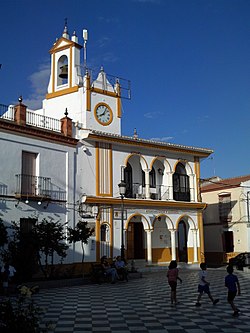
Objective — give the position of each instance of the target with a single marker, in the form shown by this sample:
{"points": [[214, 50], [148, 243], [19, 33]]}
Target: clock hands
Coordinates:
{"points": [[102, 114]]}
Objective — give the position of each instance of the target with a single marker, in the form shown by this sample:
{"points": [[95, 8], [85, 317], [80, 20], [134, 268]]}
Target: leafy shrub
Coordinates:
{"points": [[21, 315]]}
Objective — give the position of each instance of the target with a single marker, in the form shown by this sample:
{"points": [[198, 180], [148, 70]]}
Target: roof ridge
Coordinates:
{"points": [[235, 177]]}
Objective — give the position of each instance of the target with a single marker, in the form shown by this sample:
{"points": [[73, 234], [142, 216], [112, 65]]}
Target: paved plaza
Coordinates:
{"points": [[143, 305]]}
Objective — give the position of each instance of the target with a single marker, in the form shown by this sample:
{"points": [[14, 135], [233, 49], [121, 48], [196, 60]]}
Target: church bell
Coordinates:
{"points": [[64, 72]]}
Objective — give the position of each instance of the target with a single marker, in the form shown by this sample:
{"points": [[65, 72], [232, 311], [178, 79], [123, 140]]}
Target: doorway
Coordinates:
{"points": [[182, 242], [135, 241]]}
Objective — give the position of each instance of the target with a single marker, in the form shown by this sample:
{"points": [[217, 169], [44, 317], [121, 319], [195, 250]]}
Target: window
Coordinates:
{"points": [[104, 233], [181, 184], [225, 214], [128, 176], [105, 240], [152, 182], [229, 241]]}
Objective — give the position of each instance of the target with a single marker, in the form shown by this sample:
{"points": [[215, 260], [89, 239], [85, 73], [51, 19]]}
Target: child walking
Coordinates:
{"points": [[172, 276], [233, 285], [203, 286]]}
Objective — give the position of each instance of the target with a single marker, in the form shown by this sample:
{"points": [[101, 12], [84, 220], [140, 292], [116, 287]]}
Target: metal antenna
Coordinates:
{"points": [[85, 38]]}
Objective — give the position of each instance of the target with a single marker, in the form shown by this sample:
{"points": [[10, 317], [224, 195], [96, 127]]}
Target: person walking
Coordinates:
{"points": [[172, 276], [203, 286], [233, 286]]}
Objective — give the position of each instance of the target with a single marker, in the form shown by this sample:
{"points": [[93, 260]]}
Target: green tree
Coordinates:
{"points": [[3, 240], [50, 237], [80, 233], [3, 234]]}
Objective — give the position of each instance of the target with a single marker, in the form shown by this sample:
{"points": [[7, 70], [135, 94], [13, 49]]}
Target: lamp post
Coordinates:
{"points": [[122, 190]]}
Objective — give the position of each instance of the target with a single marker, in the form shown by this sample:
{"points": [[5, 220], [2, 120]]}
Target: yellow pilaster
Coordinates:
{"points": [[111, 232], [201, 256], [88, 93], [97, 237], [197, 173]]}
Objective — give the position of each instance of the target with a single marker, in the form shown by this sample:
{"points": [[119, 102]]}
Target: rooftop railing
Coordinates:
{"points": [[38, 120], [7, 112], [32, 118]]}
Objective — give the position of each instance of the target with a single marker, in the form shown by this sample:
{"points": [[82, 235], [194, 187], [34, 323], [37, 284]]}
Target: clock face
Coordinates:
{"points": [[103, 114]]}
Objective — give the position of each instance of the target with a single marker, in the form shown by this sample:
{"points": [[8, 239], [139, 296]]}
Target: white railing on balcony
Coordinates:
{"points": [[159, 192], [7, 112], [38, 120], [32, 118]]}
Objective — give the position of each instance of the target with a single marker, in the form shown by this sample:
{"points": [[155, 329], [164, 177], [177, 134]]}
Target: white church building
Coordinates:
{"points": [[65, 162]]}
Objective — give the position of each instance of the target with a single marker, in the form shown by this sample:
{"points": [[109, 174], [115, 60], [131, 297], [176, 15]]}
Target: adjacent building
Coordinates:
{"points": [[226, 218]]}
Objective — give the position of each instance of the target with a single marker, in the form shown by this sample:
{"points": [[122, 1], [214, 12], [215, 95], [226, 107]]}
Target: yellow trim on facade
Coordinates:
{"points": [[111, 232], [161, 255], [119, 107], [197, 174], [88, 93], [140, 156], [190, 254], [104, 92], [182, 217], [201, 234], [97, 168], [140, 144], [53, 72], [104, 171], [71, 67], [97, 238], [57, 48], [118, 102], [62, 92], [144, 202], [111, 169]]}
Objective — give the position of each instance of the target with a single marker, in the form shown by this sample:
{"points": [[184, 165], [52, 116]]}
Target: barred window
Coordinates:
{"points": [[225, 213]]}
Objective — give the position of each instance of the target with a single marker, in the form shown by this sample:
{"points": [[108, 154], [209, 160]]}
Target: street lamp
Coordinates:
{"points": [[122, 191]]}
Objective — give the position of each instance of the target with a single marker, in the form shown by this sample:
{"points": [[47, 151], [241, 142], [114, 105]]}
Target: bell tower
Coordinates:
{"points": [[65, 61], [93, 99]]}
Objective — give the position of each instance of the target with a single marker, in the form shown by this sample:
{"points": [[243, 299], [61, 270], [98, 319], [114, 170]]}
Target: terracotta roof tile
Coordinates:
{"points": [[224, 183]]}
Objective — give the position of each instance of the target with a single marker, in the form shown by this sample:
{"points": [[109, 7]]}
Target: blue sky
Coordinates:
{"points": [[188, 62]]}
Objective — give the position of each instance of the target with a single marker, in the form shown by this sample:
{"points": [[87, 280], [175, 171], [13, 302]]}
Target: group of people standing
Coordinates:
{"points": [[231, 283]]}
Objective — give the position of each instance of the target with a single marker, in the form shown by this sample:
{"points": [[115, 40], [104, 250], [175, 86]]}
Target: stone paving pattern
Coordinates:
{"points": [[143, 305]]}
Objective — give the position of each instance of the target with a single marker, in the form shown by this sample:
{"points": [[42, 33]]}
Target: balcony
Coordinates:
{"points": [[32, 118], [182, 195], [33, 187], [137, 191]]}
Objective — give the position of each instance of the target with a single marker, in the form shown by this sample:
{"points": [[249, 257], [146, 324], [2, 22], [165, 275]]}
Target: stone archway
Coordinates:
{"points": [[136, 243]]}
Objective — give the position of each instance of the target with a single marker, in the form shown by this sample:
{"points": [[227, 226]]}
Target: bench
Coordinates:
{"points": [[97, 274]]}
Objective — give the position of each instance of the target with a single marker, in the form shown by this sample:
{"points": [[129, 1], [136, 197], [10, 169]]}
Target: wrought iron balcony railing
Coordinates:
{"points": [[33, 186]]}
